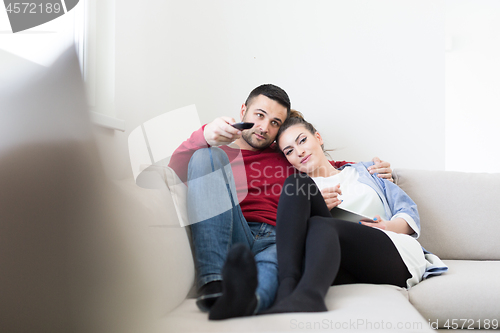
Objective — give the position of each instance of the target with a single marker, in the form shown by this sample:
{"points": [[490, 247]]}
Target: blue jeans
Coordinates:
{"points": [[212, 201]]}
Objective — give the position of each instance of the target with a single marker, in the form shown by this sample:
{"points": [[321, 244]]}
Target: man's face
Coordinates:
{"points": [[267, 116]]}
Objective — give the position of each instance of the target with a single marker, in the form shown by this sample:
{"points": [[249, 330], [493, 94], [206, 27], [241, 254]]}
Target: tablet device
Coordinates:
{"points": [[347, 215]]}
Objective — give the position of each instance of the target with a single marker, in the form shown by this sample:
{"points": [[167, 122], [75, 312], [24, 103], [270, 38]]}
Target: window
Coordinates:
{"points": [[41, 45], [44, 43]]}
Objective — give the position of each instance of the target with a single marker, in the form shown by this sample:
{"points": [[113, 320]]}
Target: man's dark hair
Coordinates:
{"points": [[273, 92]]}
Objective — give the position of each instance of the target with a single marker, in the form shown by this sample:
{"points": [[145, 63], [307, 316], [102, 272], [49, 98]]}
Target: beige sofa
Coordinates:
{"points": [[81, 253], [458, 224]]}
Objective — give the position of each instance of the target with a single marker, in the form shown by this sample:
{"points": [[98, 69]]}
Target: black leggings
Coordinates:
{"points": [[314, 246]]}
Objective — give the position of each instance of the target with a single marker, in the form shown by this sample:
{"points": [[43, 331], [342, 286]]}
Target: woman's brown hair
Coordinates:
{"points": [[296, 118]]}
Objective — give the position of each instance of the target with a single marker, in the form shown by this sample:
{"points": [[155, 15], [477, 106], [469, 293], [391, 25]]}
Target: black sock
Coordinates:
{"points": [[286, 287], [208, 295], [300, 301], [239, 282], [212, 287]]}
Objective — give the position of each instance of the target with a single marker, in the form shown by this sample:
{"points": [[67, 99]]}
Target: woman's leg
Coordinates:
{"points": [[368, 255], [300, 199], [313, 247], [365, 254], [321, 264]]}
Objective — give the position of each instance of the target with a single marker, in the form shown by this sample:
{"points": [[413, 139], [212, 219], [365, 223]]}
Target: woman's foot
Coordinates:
{"points": [[299, 301], [285, 289]]}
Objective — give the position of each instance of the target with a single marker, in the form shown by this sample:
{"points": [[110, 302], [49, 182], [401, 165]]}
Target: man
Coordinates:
{"points": [[238, 204]]}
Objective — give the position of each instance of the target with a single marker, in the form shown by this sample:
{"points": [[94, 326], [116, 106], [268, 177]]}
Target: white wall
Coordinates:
{"points": [[473, 85], [369, 74]]}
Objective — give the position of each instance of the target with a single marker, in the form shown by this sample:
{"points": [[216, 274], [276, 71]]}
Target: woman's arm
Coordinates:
{"points": [[381, 168], [398, 225], [400, 207]]}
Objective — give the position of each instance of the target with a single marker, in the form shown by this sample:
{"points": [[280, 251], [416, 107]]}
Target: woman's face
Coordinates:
{"points": [[302, 148]]}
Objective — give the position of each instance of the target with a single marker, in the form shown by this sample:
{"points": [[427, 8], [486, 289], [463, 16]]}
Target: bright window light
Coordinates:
{"points": [[44, 43]]}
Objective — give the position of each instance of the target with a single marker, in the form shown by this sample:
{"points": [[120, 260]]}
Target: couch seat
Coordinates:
{"points": [[359, 307], [469, 293]]}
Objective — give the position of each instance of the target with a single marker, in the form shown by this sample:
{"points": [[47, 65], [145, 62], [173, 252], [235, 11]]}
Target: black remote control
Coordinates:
{"points": [[242, 126]]}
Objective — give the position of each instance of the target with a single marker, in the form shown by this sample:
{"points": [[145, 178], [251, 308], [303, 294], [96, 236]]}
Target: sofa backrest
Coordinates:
{"points": [[459, 211]]}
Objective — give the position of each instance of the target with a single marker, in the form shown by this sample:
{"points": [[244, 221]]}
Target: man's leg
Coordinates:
{"points": [[216, 219], [250, 276], [266, 259]]}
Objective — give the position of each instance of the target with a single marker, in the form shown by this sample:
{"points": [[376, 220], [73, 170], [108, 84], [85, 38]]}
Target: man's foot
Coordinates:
{"points": [[239, 282], [209, 294]]}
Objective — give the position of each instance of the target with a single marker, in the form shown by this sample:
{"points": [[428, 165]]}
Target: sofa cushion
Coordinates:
{"points": [[168, 243], [468, 293], [361, 307], [459, 212]]}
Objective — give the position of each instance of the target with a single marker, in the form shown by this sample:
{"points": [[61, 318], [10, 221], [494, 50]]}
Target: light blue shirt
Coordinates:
{"points": [[398, 204]]}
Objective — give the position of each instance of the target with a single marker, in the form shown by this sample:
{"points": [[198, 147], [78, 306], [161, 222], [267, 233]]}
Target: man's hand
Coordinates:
{"points": [[382, 168], [330, 194], [220, 132]]}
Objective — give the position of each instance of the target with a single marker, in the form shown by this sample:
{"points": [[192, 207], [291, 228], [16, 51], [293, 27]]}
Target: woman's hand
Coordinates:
{"points": [[382, 168], [377, 222], [330, 194], [398, 225]]}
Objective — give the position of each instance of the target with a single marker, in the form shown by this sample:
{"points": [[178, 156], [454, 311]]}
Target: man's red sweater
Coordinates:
{"points": [[258, 175]]}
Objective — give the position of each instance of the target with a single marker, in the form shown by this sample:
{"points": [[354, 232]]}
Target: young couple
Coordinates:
{"points": [[243, 229]]}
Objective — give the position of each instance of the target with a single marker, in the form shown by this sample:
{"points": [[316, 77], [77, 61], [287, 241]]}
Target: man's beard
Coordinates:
{"points": [[252, 142]]}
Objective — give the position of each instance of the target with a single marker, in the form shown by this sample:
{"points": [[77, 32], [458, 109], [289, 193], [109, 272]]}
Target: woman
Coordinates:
{"points": [[316, 250]]}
